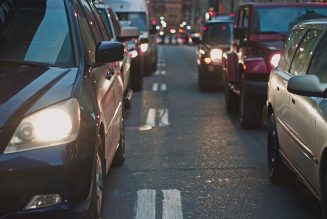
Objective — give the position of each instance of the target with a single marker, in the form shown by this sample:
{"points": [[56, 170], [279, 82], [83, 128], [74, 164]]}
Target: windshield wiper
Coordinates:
{"points": [[28, 63]]}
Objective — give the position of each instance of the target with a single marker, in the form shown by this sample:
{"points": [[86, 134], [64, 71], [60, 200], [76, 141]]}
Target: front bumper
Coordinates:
{"points": [[65, 170]]}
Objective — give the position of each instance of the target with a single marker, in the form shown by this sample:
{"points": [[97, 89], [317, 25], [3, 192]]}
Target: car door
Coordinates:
{"points": [[278, 86], [303, 111], [103, 78]]}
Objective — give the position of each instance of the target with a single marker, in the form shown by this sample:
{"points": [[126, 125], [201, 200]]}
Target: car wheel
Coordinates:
{"points": [[324, 198], [96, 207], [136, 78], [231, 99], [147, 68], [119, 158], [201, 81], [278, 171], [250, 110]]}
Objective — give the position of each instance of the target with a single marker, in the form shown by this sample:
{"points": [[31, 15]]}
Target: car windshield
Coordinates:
{"points": [[280, 20], [219, 33], [35, 31], [137, 19]]}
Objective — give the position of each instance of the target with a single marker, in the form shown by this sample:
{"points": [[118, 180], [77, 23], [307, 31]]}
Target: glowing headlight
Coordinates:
{"points": [[144, 47], [133, 53], [216, 55], [57, 124], [274, 60]]}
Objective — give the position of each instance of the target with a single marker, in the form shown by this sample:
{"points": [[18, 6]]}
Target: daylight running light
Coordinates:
{"points": [[216, 55], [144, 47], [274, 60], [57, 124]]}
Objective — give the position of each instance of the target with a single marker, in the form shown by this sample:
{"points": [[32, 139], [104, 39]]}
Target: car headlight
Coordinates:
{"points": [[144, 47], [133, 53], [274, 60], [216, 55], [54, 125]]}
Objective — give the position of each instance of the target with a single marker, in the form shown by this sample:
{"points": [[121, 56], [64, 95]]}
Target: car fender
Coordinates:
{"points": [[230, 66]]}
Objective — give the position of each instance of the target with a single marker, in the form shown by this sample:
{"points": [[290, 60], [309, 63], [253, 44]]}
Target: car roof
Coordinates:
{"points": [[300, 4], [315, 23], [216, 20]]}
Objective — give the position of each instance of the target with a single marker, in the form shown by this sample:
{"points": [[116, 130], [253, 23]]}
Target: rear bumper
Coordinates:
{"points": [[212, 73], [256, 88]]}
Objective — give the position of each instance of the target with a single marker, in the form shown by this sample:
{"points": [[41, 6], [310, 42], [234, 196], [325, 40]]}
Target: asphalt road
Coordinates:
{"points": [[195, 161]]}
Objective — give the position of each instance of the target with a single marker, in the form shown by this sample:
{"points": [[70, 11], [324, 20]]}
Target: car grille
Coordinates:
{"points": [[7, 204]]}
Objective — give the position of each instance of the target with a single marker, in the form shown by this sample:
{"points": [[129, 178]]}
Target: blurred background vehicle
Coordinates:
{"points": [[216, 39], [259, 35], [136, 12]]}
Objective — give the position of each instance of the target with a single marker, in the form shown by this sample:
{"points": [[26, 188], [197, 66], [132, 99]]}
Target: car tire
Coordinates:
{"points": [[278, 171], [147, 68], [231, 99], [136, 78], [201, 81], [96, 207], [250, 110], [324, 198], [119, 158]]}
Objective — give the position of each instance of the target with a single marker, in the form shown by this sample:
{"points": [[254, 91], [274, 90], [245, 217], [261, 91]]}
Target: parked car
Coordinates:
{"points": [[216, 39], [259, 35], [123, 34], [137, 13], [297, 106], [61, 111]]}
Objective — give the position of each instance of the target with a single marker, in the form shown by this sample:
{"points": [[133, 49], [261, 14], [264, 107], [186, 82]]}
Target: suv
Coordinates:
{"points": [[61, 113], [297, 107], [259, 35], [216, 39]]}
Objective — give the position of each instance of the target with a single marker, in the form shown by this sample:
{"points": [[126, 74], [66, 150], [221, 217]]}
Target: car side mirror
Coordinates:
{"points": [[239, 33], [128, 33], [108, 51], [196, 40], [307, 85]]}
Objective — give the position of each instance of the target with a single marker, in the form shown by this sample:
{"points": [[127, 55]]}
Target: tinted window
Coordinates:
{"points": [[304, 51], [282, 19], [105, 19], [292, 43], [36, 31], [220, 33], [137, 19], [318, 64]]}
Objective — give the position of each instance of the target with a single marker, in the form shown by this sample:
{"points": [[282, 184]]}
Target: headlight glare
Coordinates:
{"points": [[57, 124], [216, 55], [144, 47]]}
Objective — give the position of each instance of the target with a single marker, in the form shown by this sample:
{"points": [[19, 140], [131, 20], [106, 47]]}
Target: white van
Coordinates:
{"points": [[136, 13]]}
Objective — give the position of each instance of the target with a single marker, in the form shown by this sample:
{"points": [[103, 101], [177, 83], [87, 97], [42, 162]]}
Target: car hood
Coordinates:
{"points": [[275, 45], [25, 89]]}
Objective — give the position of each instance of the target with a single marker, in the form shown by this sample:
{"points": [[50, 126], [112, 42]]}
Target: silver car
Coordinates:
{"points": [[297, 107]]}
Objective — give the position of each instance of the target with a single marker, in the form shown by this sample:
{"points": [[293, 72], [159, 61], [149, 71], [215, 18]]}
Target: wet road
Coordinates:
{"points": [[196, 161]]}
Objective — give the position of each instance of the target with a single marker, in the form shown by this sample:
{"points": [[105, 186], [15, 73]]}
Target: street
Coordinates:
{"points": [[195, 161]]}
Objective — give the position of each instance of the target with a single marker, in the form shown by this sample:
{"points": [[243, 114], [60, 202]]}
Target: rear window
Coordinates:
{"points": [[136, 19], [37, 31], [219, 33]]}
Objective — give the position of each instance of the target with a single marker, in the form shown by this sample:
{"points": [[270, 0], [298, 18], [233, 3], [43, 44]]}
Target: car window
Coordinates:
{"points": [[245, 19], [219, 33], [115, 22], [304, 51], [318, 65], [98, 20], [291, 44], [87, 37], [105, 19], [36, 32]]}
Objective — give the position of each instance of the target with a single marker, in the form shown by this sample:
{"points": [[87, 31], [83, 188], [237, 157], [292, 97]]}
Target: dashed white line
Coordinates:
{"points": [[163, 87], [155, 87], [157, 72], [164, 118], [151, 117], [146, 204], [172, 207], [163, 72]]}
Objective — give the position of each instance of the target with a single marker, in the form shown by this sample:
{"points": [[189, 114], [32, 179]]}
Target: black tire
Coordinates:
{"points": [[96, 208], [231, 99], [155, 64], [250, 110], [136, 77], [204, 87], [324, 199], [147, 68], [119, 158], [278, 171]]}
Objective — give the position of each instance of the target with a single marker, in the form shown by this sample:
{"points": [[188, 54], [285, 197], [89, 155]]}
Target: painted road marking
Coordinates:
{"points": [[157, 117], [172, 207], [163, 87], [146, 204], [151, 118], [155, 87], [161, 65], [163, 72], [163, 118], [157, 72]]}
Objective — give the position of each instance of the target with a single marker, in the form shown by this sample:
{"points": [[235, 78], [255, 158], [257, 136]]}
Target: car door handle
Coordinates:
{"points": [[109, 74], [293, 101]]}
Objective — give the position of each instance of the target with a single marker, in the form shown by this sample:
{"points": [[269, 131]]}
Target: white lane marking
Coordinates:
{"points": [[146, 204], [151, 118], [157, 72], [155, 87], [164, 118], [163, 87], [161, 65], [172, 207], [163, 72]]}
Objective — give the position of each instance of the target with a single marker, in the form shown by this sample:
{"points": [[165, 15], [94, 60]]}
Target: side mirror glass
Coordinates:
{"points": [[108, 51], [239, 33], [307, 85], [128, 33]]}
